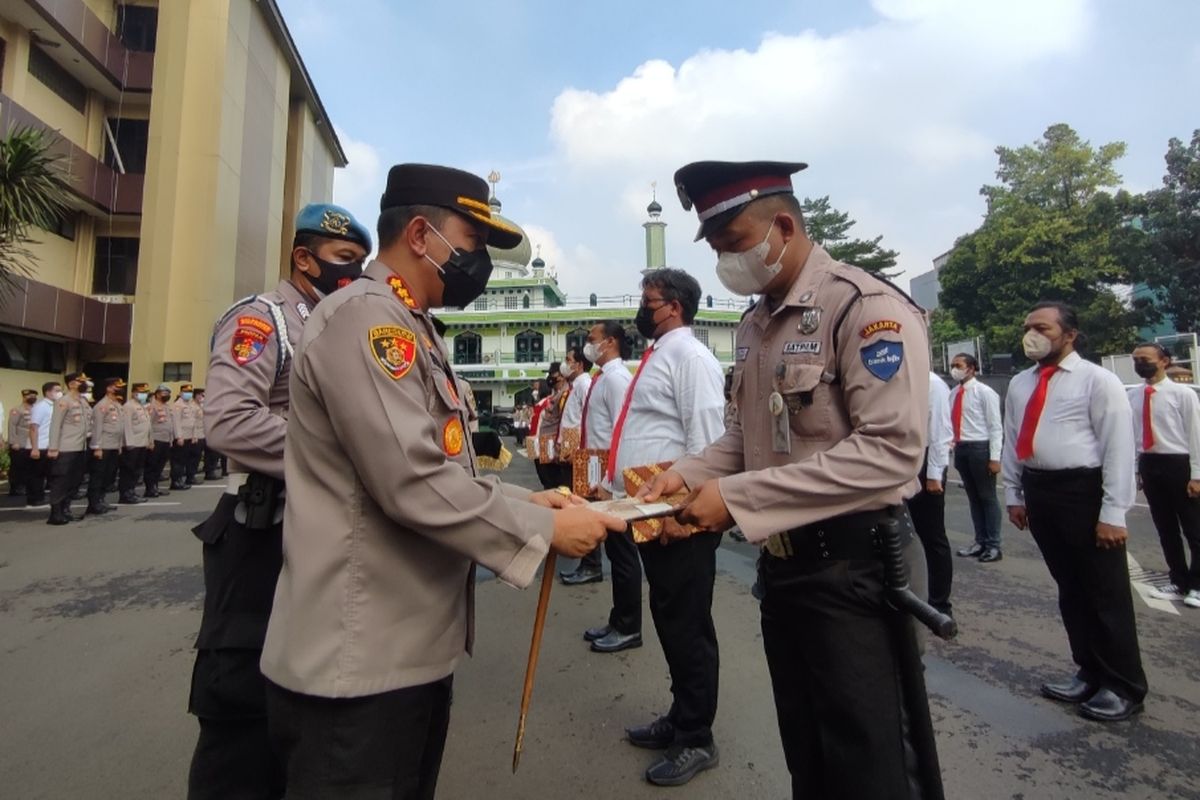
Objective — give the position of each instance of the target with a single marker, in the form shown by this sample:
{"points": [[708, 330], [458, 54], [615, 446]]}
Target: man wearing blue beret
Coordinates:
{"points": [[245, 419]]}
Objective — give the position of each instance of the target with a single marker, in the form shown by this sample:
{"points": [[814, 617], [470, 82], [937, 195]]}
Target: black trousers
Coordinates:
{"points": [[626, 614], [234, 759], [835, 672], [132, 468], [66, 473], [1164, 482], [101, 472], [184, 460], [380, 747], [928, 512], [971, 461], [681, 577], [35, 479], [1094, 597], [156, 459], [18, 459]]}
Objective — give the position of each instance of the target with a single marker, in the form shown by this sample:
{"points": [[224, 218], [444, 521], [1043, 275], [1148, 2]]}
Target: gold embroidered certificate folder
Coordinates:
{"points": [[587, 470], [649, 529]]}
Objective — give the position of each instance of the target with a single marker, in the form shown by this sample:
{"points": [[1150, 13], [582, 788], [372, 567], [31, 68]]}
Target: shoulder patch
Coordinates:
{"points": [[883, 359], [741, 354], [452, 437], [879, 326], [257, 324], [394, 348], [248, 342]]}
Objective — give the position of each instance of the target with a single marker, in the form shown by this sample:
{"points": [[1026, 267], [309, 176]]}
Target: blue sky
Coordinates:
{"points": [[897, 105]]}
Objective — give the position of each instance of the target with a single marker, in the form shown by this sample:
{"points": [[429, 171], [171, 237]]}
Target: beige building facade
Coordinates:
{"points": [[191, 133]]}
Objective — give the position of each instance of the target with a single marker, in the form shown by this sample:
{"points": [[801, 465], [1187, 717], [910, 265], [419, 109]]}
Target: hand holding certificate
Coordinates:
{"points": [[631, 510]]}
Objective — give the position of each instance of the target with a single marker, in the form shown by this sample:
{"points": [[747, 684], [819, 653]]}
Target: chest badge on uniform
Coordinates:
{"points": [[249, 340], [810, 347], [302, 310], [452, 437], [453, 391], [883, 359], [742, 352], [394, 348], [810, 320]]}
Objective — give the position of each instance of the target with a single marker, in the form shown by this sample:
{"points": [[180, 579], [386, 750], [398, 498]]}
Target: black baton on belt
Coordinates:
{"points": [[917, 723]]}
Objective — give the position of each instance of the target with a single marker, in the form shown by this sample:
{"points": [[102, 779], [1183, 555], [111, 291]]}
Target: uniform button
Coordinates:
{"points": [[820, 534], [825, 554]]}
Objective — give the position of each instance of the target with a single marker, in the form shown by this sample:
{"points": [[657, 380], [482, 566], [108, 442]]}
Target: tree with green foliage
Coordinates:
{"points": [[33, 194], [1170, 216], [1050, 233], [830, 228]]}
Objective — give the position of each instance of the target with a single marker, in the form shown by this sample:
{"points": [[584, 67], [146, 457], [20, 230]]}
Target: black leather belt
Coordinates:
{"points": [[850, 537]]}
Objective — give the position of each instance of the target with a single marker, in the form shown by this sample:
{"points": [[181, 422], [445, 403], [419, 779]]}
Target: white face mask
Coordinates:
{"points": [[1036, 345], [591, 351], [142, 397], [958, 374], [748, 272], [56, 395]]}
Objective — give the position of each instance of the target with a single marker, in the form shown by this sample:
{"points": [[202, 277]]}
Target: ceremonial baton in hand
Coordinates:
{"points": [[535, 646]]}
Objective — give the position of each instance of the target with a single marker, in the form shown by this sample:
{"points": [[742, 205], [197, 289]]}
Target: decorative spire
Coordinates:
{"points": [[654, 209], [493, 201]]}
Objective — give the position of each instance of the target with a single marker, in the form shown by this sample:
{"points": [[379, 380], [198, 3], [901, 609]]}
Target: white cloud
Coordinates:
{"points": [[359, 185]]}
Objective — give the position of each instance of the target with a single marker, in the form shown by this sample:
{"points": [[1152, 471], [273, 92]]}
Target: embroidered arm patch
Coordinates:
{"points": [[394, 348]]}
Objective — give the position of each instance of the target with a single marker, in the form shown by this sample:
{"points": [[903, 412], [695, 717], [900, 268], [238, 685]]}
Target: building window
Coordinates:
{"points": [[57, 79], [133, 139], [702, 335], [577, 338], [510, 302], [177, 371], [530, 347], [116, 265], [481, 304], [138, 27], [468, 348], [33, 355], [525, 301]]}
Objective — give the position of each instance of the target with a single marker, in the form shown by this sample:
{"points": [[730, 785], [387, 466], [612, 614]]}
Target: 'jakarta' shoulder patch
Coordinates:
{"points": [[878, 327], [883, 359], [394, 348]]}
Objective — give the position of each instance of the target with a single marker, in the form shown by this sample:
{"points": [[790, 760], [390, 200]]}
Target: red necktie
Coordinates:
{"points": [[1147, 425], [587, 398], [1033, 413], [956, 413], [616, 438]]}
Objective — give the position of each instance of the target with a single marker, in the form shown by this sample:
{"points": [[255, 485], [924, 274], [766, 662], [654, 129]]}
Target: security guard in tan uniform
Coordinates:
{"points": [[162, 434], [831, 384], [67, 449], [135, 445], [386, 514], [18, 443], [245, 414], [107, 438]]}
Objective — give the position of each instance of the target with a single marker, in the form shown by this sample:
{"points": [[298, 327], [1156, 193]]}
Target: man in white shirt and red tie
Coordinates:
{"points": [[576, 370], [978, 441], [928, 506], [1166, 424], [675, 406], [1068, 476]]}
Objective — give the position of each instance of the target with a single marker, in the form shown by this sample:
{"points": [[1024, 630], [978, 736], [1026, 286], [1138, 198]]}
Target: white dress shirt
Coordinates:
{"points": [[1174, 418], [41, 414], [941, 434], [980, 416], [573, 411], [608, 393], [1085, 423], [677, 407]]}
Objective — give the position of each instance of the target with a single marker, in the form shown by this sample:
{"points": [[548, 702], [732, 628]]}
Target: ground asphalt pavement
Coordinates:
{"points": [[99, 618]]}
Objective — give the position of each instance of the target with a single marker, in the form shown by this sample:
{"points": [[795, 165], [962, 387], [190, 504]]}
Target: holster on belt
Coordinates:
{"points": [[259, 498]]}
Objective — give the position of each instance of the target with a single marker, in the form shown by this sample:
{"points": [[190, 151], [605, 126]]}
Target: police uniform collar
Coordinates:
{"points": [[381, 273], [803, 293], [291, 293]]}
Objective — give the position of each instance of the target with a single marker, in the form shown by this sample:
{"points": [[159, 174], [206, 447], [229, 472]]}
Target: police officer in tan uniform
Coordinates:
{"points": [[245, 417], [386, 514], [107, 438], [831, 383], [135, 444], [67, 448], [188, 427], [162, 435], [19, 444]]}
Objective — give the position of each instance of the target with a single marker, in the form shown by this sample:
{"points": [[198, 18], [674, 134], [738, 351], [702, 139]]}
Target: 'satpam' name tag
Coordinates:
{"points": [[810, 346]]}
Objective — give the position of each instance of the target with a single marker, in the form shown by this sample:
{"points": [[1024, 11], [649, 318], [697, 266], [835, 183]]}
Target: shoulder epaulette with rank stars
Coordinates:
{"points": [[401, 291]]}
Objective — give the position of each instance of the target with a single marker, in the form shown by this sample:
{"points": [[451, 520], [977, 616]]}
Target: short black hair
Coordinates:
{"points": [[1162, 351], [613, 330], [576, 353], [971, 360], [542, 386], [676, 286], [393, 221], [48, 385]]}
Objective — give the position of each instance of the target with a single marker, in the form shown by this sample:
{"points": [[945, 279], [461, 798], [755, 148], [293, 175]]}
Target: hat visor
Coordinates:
{"points": [[714, 224], [499, 234]]}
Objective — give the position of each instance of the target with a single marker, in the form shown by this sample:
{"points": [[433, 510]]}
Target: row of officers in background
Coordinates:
{"points": [[67, 439]]}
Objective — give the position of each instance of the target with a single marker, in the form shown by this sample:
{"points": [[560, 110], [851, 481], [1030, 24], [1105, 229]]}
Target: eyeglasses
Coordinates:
{"points": [[646, 303]]}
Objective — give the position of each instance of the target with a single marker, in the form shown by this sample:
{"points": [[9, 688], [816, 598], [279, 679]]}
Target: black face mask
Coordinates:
{"points": [[645, 321], [1145, 369], [464, 275], [334, 275]]}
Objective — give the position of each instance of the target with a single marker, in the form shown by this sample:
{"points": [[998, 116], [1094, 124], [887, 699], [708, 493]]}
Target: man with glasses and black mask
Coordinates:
{"points": [[245, 418], [387, 515]]}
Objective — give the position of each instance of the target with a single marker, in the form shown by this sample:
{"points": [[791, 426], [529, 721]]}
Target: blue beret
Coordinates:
{"points": [[332, 222]]}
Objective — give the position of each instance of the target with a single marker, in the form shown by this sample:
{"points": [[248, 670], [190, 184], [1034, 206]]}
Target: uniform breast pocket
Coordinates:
{"points": [[1070, 408], [805, 397]]}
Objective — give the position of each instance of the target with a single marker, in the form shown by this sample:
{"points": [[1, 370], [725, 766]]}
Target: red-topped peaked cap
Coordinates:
{"points": [[719, 190]]}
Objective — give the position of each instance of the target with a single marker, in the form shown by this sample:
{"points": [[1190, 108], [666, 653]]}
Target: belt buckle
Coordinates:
{"points": [[778, 546]]}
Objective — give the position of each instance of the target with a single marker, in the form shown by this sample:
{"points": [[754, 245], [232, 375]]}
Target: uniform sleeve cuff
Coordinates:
{"points": [[1111, 515], [521, 570], [1014, 497]]}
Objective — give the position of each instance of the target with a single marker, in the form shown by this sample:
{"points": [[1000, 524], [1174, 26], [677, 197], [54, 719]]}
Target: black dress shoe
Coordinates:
{"points": [[1108, 706], [581, 576], [1076, 690], [211, 476], [615, 641], [102, 508], [989, 555], [195, 480], [592, 634], [658, 735], [152, 492], [680, 764], [179, 486], [58, 519], [131, 499], [971, 552]]}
